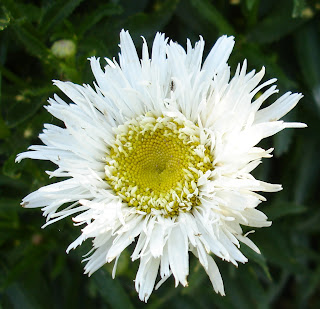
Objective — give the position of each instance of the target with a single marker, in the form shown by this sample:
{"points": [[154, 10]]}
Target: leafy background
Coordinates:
{"points": [[282, 35]]}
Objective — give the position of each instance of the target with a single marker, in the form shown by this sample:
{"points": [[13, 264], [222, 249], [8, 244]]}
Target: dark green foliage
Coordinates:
{"points": [[283, 36]]}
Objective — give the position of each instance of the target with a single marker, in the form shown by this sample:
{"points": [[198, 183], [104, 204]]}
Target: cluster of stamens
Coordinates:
{"points": [[155, 163]]}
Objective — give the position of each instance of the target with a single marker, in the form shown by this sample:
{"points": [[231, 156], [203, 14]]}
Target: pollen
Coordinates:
{"points": [[155, 163]]}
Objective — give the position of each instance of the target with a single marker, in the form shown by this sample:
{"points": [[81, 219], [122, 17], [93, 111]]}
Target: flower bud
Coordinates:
{"points": [[63, 48]]}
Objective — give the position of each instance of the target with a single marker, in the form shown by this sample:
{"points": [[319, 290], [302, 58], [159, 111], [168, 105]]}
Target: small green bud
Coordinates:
{"points": [[63, 48]]}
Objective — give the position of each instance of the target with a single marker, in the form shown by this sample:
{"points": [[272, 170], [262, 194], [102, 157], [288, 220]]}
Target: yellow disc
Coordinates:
{"points": [[155, 162]]}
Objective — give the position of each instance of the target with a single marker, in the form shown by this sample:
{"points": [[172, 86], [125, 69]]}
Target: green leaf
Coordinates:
{"points": [[239, 292], [274, 28], [282, 142], [12, 77], [258, 258], [283, 139], [24, 29], [282, 208], [251, 3], [31, 41], [277, 248], [307, 43], [24, 292], [9, 206], [298, 7], [60, 11], [307, 176], [97, 15], [213, 16], [148, 24], [59, 266], [310, 284], [4, 130], [258, 58], [111, 290], [14, 184], [25, 12], [19, 298], [257, 294], [4, 19], [10, 168], [276, 25], [277, 287], [252, 12], [133, 7], [30, 260], [27, 104], [9, 219]]}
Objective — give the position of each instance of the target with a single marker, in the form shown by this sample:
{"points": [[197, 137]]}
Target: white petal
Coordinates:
{"points": [[215, 276], [178, 255], [279, 108], [146, 276], [218, 56]]}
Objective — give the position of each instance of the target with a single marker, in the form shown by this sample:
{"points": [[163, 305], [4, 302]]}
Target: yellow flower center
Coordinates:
{"points": [[155, 163]]}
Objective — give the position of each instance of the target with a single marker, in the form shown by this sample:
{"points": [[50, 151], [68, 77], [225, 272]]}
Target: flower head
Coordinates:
{"points": [[160, 153]]}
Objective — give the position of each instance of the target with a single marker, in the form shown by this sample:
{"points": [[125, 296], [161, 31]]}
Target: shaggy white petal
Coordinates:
{"points": [[215, 276], [178, 255], [279, 108]]}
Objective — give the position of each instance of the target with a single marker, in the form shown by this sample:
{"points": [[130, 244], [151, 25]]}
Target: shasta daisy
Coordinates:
{"points": [[159, 152]]}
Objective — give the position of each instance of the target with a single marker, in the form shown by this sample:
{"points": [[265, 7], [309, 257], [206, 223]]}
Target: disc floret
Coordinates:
{"points": [[155, 163]]}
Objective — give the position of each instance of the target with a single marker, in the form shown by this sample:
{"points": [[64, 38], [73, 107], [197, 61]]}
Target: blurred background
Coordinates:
{"points": [[42, 40]]}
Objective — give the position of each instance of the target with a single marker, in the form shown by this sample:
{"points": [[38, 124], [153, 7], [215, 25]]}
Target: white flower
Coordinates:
{"points": [[160, 153]]}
